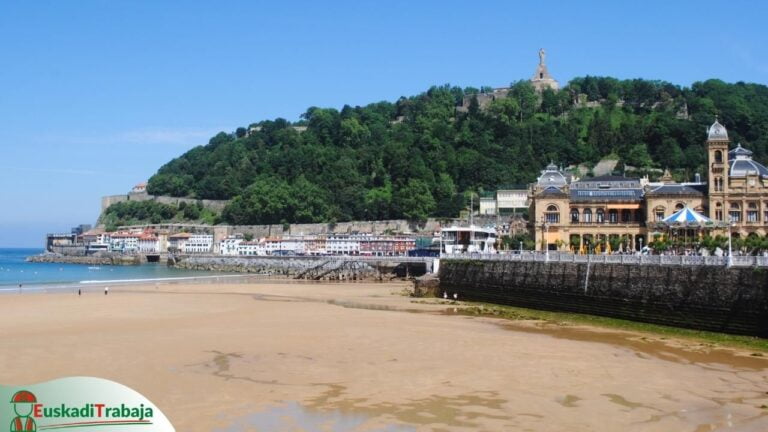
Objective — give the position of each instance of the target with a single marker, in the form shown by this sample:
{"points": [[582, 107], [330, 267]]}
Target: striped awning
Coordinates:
{"points": [[689, 218]]}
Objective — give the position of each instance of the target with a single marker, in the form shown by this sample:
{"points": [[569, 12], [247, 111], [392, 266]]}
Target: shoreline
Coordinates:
{"points": [[56, 287]]}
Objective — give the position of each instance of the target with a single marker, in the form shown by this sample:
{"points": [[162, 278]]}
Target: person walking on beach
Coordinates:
{"points": [[79, 292], [106, 290]]}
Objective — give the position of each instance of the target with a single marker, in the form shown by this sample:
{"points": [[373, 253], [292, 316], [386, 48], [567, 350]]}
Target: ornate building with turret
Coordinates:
{"points": [[737, 185], [578, 214]]}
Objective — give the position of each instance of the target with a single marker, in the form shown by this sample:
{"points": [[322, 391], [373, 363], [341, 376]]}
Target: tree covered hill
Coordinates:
{"points": [[418, 156]]}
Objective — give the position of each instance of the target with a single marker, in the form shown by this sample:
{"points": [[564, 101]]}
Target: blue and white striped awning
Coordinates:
{"points": [[687, 216]]}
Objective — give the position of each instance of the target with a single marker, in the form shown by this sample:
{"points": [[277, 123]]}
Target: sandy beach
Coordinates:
{"points": [[268, 356]]}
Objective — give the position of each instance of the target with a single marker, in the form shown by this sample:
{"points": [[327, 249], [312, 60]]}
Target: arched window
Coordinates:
{"points": [[718, 156], [600, 216], [679, 206], [718, 211], [588, 215], [752, 213], [735, 212], [574, 215], [626, 216], [659, 213], [613, 216], [552, 215]]}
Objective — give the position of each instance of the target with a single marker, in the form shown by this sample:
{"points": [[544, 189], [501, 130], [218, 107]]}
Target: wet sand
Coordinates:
{"points": [[361, 357]]}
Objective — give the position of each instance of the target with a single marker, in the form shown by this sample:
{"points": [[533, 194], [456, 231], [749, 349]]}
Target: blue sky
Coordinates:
{"points": [[96, 95]]}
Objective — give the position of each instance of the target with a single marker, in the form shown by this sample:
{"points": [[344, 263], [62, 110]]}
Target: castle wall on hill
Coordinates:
{"points": [[714, 298], [373, 227], [217, 205]]}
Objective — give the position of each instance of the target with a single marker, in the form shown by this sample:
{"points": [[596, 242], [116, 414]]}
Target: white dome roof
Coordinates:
{"points": [[717, 132]]}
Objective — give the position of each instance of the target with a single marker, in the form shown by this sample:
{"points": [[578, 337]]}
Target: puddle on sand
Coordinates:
{"points": [[462, 410], [700, 355], [294, 417], [569, 401], [619, 400], [220, 364], [332, 411]]}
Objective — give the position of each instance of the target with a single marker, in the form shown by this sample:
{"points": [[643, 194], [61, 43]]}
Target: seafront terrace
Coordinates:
{"points": [[673, 260]]}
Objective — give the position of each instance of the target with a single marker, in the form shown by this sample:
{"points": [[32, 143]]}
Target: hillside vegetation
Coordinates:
{"points": [[418, 157]]}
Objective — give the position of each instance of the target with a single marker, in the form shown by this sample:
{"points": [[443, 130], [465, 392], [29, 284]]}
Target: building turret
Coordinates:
{"points": [[717, 154]]}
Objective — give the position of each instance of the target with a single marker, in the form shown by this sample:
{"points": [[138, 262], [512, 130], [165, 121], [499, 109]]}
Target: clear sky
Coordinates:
{"points": [[96, 95]]}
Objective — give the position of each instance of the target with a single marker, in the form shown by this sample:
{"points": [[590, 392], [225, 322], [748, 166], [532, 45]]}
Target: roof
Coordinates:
{"points": [[608, 178], [746, 166], [180, 236], [740, 151], [94, 231], [697, 189], [552, 191], [606, 195], [552, 176], [717, 132]]}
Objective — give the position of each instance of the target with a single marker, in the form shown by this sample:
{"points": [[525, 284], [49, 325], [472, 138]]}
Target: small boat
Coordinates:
{"points": [[94, 268]]}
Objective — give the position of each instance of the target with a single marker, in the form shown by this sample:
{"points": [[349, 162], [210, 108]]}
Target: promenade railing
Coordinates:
{"points": [[679, 260]]}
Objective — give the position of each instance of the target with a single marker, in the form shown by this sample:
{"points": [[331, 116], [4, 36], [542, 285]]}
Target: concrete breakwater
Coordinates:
{"points": [[313, 268], [99, 259], [731, 300]]}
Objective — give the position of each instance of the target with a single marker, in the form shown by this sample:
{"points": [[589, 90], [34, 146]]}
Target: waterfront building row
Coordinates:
{"points": [[337, 244], [149, 241]]}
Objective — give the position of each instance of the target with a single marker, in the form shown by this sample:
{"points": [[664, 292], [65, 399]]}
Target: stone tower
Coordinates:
{"points": [[717, 159], [542, 79]]}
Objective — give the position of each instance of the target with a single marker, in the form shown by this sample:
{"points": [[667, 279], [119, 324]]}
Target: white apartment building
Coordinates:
{"points": [[231, 245], [148, 243], [251, 248], [199, 243], [124, 242]]}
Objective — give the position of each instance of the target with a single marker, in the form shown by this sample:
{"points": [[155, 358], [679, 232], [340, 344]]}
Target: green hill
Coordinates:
{"points": [[416, 157]]}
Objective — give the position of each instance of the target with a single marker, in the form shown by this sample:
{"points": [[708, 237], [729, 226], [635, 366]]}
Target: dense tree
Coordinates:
{"points": [[416, 157]]}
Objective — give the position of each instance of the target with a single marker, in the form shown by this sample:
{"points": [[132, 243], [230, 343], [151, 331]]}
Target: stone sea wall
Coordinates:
{"points": [[312, 268], [731, 300], [99, 259]]}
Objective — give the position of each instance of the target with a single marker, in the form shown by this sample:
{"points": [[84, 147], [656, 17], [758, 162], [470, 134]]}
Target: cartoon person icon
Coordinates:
{"points": [[22, 405]]}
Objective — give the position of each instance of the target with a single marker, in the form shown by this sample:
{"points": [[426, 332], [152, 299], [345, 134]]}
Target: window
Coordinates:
{"points": [[574, 215], [626, 216], [718, 156], [679, 206], [659, 211], [613, 216], [752, 213], [735, 212], [552, 215], [600, 216], [588, 215]]}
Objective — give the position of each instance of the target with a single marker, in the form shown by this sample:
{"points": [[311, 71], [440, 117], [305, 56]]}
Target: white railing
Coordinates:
{"points": [[680, 260]]}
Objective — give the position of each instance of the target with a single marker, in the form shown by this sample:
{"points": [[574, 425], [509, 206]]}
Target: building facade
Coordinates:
{"points": [[592, 214]]}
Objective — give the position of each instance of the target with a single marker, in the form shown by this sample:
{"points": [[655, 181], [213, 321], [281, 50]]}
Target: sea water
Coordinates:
{"points": [[15, 271]]}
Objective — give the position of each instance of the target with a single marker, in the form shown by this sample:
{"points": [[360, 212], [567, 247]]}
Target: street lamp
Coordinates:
{"points": [[730, 250], [545, 227]]}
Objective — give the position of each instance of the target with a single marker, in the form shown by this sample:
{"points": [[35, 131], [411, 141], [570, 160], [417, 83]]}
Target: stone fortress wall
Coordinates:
{"points": [[217, 205]]}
